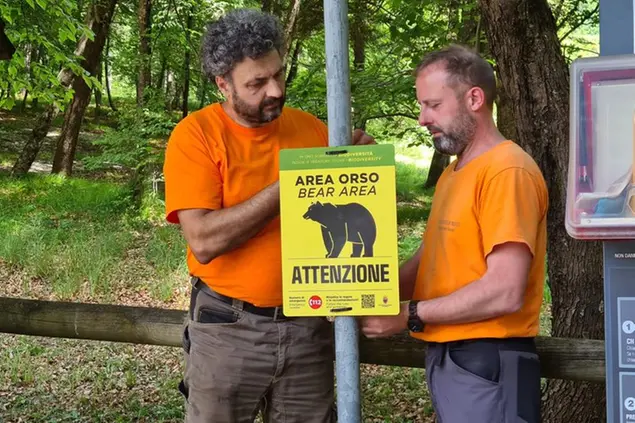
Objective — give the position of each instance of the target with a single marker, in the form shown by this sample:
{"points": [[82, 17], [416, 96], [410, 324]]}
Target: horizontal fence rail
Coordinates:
{"points": [[561, 358]]}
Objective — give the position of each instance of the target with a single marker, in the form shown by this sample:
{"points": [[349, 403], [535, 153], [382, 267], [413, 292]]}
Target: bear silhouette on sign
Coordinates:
{"points": [[346, 222]]}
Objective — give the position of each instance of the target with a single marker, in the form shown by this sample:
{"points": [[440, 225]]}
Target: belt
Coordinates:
{"points": [[523, 344], [274, 312]]}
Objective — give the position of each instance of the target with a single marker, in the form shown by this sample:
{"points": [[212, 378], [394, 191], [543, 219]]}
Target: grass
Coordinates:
{"points": [[65, 231], [81, 239], [82, 236]]}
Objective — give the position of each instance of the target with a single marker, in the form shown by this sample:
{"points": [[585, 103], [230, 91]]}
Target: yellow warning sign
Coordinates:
{"points": [[339, 231]]}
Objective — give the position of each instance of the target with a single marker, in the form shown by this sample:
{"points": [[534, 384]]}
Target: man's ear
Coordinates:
{"points": [[475, 97], [223, 85]]}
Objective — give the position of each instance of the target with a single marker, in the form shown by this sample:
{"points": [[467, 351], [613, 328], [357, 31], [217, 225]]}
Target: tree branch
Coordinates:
{"points": [[569, 14], [582, 21], [387, 115]]}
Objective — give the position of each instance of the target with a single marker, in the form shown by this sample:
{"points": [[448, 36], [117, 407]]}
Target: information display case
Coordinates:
{"points": [[601, 181]]}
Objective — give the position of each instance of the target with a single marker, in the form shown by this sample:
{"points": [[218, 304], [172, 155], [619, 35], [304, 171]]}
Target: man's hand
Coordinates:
{"points": [[362, 138], [384, 326]]}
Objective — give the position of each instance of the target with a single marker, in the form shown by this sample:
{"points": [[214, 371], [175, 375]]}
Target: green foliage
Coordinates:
{"points": [[410, 181], [166, 253], [45, 34], [136, 141], [397, 36], [168, 44], [578, 27]]}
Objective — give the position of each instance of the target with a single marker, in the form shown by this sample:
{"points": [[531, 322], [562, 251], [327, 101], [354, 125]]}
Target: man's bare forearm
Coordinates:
{"points": [[213, 233], [499, 291], [408, 275], [480, 300]]}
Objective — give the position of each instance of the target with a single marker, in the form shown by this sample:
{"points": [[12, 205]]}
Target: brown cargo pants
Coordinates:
{"points": [[238, 364]]}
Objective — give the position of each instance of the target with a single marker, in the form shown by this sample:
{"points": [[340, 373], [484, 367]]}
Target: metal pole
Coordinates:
{"points": [[347, 370], [339, 128], [338, 88]]}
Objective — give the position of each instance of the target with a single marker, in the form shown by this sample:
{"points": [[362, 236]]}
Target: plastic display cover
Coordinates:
{"points": [[601, 177]]}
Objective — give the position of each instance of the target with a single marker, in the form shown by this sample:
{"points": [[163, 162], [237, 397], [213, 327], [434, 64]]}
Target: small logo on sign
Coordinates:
{"points": [[315, 302], [385, 299]]}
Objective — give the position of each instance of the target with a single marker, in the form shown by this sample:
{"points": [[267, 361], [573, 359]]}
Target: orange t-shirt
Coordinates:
{"points": [[211, 162], [498, 197]]}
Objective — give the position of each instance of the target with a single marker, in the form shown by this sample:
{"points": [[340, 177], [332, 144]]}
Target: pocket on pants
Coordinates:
{"points": [[216, 315], [464, 395], [480, 360], [212, 311]]}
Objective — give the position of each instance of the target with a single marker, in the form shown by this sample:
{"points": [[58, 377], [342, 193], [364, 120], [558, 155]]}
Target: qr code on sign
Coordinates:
{"points": [[368, 300]]}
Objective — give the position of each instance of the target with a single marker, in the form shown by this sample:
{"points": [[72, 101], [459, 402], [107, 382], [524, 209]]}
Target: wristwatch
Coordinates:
{"points": [[415, 324]]}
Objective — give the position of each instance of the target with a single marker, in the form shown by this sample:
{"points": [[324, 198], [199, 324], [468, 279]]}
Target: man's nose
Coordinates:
{"points": [[424, 119], [274, 89]]}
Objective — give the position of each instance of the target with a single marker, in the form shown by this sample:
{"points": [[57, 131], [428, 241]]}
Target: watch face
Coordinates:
{"points": [[415, 326]]}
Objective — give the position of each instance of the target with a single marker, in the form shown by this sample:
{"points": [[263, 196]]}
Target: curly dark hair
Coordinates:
{"points": [[239, 34]]}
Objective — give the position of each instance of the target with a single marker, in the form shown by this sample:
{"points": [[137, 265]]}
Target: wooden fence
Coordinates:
{"points": [[561, 358]]}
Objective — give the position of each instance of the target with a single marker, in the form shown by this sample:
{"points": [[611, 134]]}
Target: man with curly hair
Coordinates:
{"points": [[243, 356]]}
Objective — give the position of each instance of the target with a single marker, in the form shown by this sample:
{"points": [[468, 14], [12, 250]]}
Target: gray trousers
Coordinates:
{"points": [[484, 381]]}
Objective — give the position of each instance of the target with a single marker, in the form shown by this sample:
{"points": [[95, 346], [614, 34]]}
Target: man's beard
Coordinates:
{"points": [[453, 141], [258, 115]]}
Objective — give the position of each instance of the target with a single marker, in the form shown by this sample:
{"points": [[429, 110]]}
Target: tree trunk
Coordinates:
{"points": [[290, 27], [145, 11], [6, 47], [358, 34], [168, 83], [107, 75], [175, 104], [43, 124], [186, 64], [535, 78], [67, 142], [202, 93], [293, 67], [505, 119], [161, 79], [437, 165], [267, 6], [100, 77], [23, 105], [34, 143]]}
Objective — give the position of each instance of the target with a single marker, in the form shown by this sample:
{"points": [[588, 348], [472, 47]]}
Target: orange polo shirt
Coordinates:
{"points": [[498, 197], [211, 162]]}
